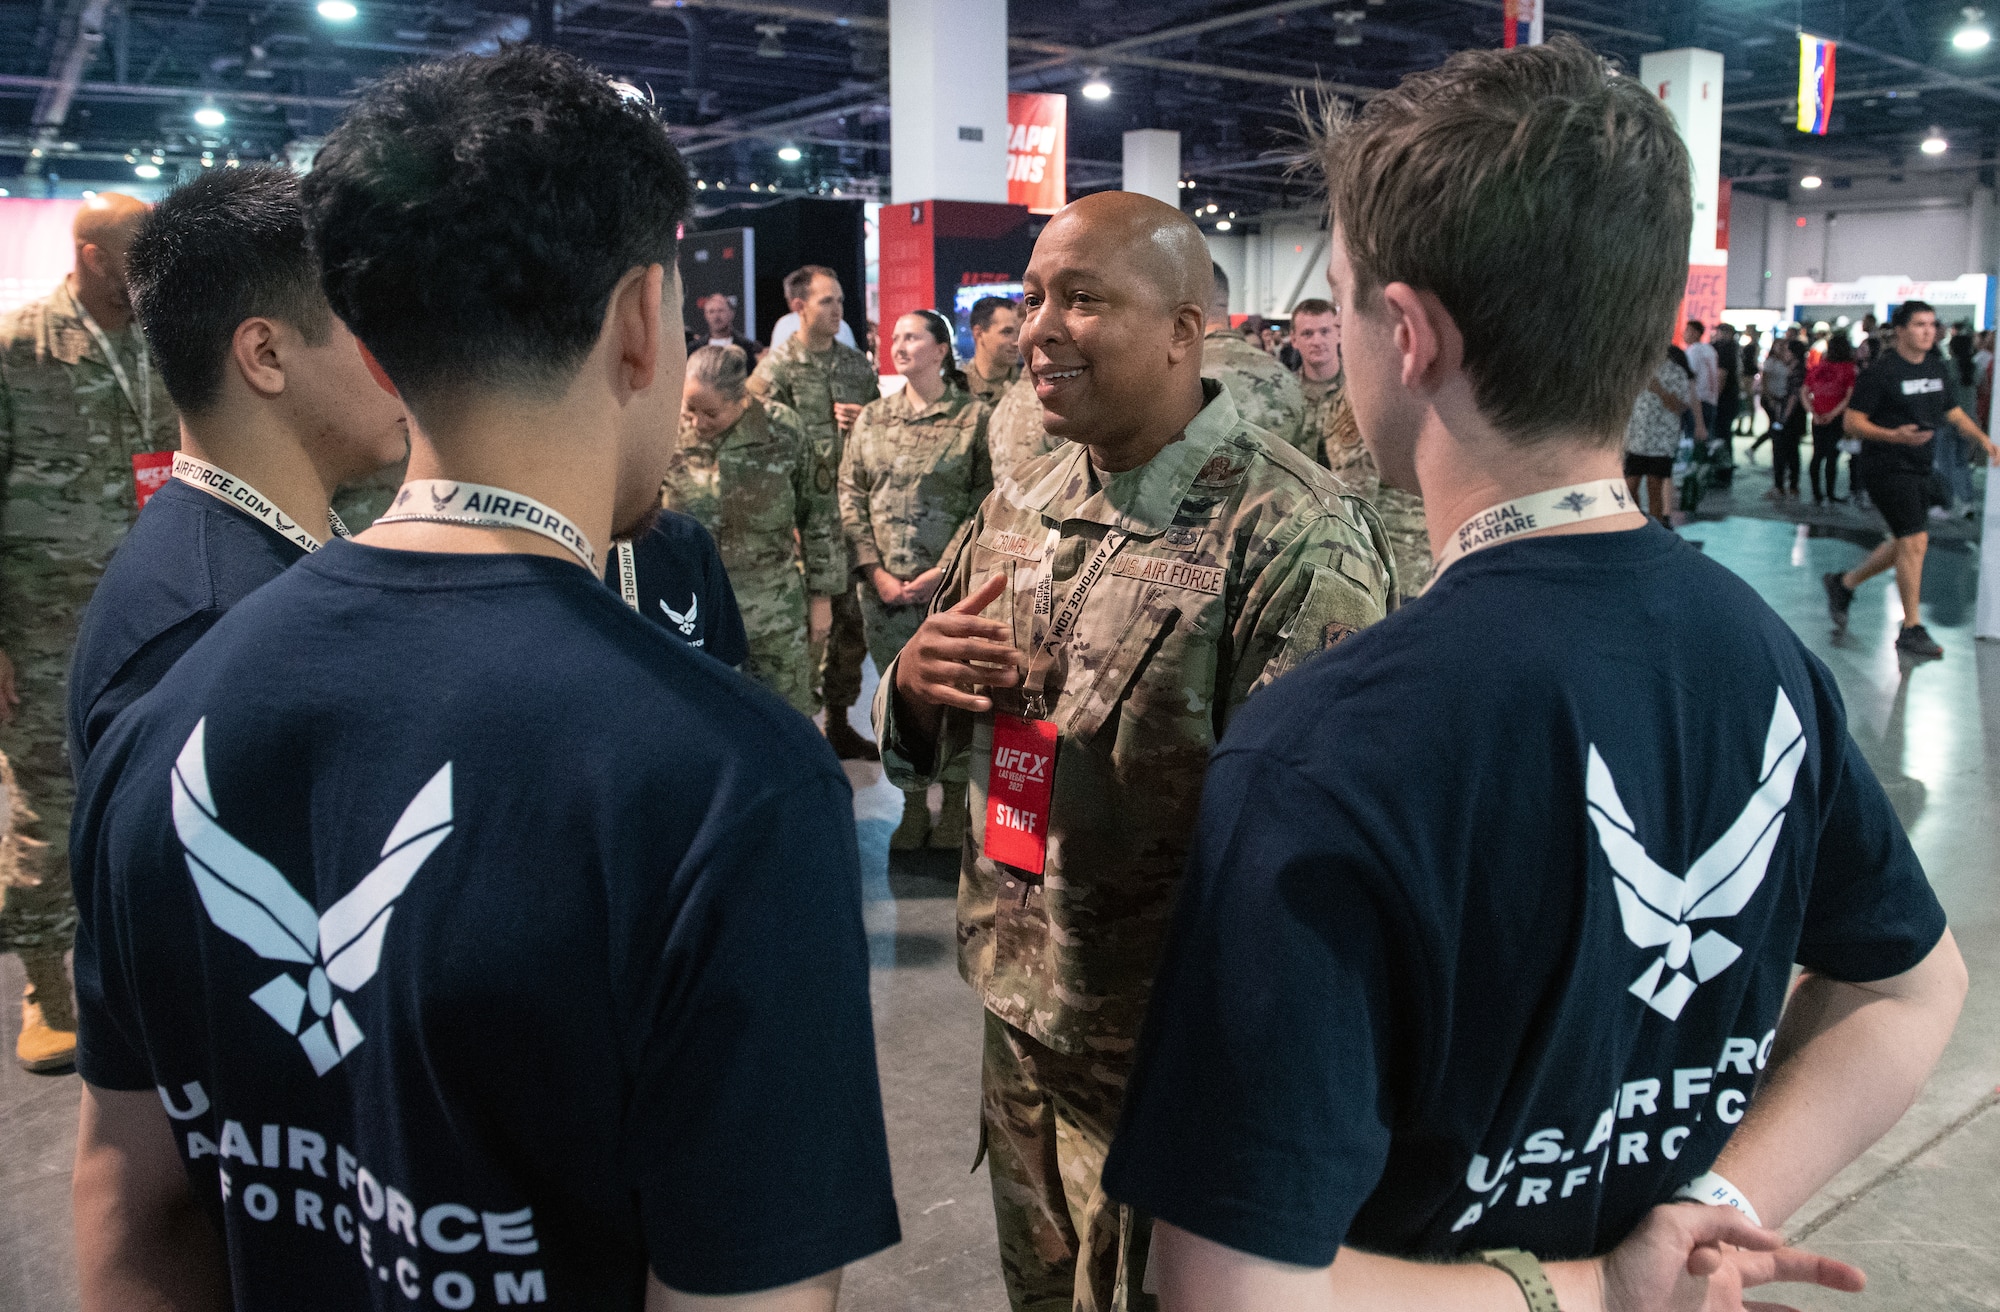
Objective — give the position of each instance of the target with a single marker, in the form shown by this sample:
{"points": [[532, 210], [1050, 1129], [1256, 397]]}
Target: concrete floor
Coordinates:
{"points": [[1920, 1212]]}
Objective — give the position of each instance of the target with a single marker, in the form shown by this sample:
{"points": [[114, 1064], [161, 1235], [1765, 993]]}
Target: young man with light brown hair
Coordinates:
{"points": [[1461, 1024]]}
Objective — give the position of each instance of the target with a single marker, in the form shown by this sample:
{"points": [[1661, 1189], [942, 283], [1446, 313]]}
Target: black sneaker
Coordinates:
{"points": [[1839, 599], [1914, 641]]}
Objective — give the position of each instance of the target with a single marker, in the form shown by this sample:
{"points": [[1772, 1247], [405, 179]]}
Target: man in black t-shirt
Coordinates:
{"points": [[676, 564], [277, 410], [1509, 990], [1899, 404], [450, 935]]}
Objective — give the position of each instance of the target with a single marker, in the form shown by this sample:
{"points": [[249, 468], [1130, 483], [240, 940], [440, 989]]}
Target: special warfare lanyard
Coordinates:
{"points": [[628, 574], [1061, 622], [441, 501], [1521, 516], [141, 401], [226, 486]]}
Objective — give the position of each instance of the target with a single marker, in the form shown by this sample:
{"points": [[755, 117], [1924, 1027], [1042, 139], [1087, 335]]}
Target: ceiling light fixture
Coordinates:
{"points": [[1810, 181], [771, 47], [146, 171], [790, 154], [1095, 87], [1935, 144], [1222, 225], [209, 116], [1974, 36], [338, 11]]}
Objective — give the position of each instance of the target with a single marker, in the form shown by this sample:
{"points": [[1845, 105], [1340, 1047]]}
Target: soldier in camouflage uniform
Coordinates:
{"points": [[748, 470], [1341, 450], [914, 470], [826, 384], [1215, 560], [1015, 434], [72, 417], [1265, 392], [996, 349]]}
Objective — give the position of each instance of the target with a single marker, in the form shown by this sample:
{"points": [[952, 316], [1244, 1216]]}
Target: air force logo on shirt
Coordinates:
{"points": [[684, 621], [250, 900], [1656, 907]]}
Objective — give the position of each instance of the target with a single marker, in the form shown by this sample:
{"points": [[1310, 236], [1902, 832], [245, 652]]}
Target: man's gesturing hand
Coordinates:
{"points": [[1689, 1257], [954, 652]]}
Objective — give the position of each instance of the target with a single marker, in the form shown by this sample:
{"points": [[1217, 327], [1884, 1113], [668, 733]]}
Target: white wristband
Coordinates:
{"points": [[1717, 1192]]}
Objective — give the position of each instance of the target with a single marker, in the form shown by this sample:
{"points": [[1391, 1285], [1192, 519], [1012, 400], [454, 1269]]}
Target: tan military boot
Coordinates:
{"points": [[909, 835], [949, 835], [48, 1024]]}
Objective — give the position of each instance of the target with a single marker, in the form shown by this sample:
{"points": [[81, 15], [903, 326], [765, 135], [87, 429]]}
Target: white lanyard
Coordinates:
{"points": [[1061, 622], [628, 575], [441, 501], [225, 486], [140, 401], [1531, 514]]}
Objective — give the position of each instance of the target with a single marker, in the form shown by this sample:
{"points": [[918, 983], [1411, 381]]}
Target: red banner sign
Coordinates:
{"points": [[1038, 151]]}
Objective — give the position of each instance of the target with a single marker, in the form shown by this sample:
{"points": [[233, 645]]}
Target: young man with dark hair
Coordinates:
{"points": [[1899, 404], [277, 410], [1471, 1015], [450, 934], [996, 348]]}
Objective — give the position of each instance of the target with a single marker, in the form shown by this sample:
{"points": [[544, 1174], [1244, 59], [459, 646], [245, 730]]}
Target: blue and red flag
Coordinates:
{"points": [[1815, 83]]}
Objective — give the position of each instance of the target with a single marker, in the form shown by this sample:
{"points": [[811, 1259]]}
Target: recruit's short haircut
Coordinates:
{"points": [[228, 246], [1312, 305], [986, 307], [473, 216], [1909, 310], [799, 282], [1539, 194]]}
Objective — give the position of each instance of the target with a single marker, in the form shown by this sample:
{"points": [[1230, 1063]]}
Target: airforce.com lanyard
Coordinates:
{"points": [[1062, 621], [479, 506], [225, 486], [1521, 516], [628, 575], [142, 402]]}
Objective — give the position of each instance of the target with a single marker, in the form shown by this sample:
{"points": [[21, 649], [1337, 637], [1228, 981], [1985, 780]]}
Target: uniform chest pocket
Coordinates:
{"points": [[1112, 681]]}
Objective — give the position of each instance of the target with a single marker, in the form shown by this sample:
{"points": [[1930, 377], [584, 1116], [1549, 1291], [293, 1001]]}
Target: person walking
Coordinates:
{"points": [[87, 432], [1653, 433], [1704, 361], [1772, 382], [1954, 454], [916, 467], [749, 472], [1728, 401], [1829, 387], [1898, 406], [1790, 428]]}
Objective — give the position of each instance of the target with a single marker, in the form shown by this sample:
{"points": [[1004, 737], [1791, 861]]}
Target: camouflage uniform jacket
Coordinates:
{"points": [[1337, 444], [911, 474], [1265, 392], [1241, 561], [990, 390], [1015, 432], [791, 375], [762, 493], [67, 437]]}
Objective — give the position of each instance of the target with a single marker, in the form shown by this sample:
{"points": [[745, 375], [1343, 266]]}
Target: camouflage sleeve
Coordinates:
{"points": [[856, 483], [817, 509], [1327, 583], [766, 381], [982, 455], [904, 764]]}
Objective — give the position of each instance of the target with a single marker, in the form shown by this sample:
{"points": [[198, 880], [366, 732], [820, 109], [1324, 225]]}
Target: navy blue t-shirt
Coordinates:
{"points": [[1492, 912], [188, 559], [485, 945], [680, 585]]}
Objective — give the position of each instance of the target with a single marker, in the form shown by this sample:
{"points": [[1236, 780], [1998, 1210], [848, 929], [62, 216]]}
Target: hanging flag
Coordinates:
{"points": [[1521, 18], [1815, 83]]}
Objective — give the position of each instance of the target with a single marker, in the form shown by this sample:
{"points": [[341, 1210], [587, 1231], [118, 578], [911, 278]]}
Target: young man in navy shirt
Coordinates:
{"points": [[673, 564], [451, 936], [277, 410], [1483, 955]]}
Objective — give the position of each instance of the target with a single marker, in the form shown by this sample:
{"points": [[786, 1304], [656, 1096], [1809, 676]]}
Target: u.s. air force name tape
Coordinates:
{"points": [[442, 501], [225, 486]]}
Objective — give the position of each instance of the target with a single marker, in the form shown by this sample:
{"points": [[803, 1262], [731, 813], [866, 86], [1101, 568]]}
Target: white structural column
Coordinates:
{"points": [[948, 100], [1153, 164], [1689, 81]]}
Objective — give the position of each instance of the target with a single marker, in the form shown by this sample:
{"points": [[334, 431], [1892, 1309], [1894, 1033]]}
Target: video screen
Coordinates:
{"points": [[961, 311]]}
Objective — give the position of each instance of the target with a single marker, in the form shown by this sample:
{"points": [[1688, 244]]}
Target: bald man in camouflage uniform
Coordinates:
{"points": [[1265, 392], [1194, 567], [826, 383], [1338, 446], [78, 400]]}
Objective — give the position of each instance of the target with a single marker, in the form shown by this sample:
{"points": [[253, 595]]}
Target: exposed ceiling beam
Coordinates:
{"points": [[1553, 19], [1185, 30], [67, 65], [132, 92]]}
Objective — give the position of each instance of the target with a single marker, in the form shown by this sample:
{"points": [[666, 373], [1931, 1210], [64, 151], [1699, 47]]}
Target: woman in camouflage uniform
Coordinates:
{"points": [[915, 468], [747, 471]]}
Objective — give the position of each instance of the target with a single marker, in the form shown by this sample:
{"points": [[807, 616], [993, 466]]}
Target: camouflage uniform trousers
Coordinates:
{"points": [[37, 914], [774, 622], [838, 659], [888, 629], [1046, 1121]]}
